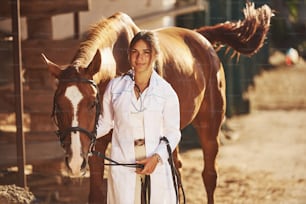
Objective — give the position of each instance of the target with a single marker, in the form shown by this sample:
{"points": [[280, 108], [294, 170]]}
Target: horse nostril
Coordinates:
{"points": [[84, 163], [67, 163]]}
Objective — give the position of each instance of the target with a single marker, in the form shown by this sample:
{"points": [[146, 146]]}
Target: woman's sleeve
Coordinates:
{"points": [[171, 125], [106, 122]]}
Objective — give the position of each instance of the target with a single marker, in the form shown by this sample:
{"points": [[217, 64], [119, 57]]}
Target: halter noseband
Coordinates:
{"points": [[62, 134]]}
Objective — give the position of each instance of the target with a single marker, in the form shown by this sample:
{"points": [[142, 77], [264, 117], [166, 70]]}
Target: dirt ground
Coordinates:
{"points": [[263, 161], [266, 164]]}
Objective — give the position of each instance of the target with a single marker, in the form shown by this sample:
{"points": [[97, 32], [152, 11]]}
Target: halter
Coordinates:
{"points": [[62, 134]]}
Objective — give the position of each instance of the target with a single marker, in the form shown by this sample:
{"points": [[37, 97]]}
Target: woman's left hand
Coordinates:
{"points": [[149, 163]]}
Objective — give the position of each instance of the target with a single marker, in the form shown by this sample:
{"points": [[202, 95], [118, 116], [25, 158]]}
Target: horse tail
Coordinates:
{"points": [[245, 37]]}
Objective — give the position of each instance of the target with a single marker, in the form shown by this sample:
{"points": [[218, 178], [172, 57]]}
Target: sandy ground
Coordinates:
{"points": [[264, 161], [267, 164]]}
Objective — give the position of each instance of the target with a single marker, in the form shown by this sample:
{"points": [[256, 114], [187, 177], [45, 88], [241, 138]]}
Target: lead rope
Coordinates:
{"points": [[113, 162], [146, 190], [177, 182]]}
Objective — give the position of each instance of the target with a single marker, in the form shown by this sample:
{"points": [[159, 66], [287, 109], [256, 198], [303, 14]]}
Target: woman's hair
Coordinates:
{"points": [[148, 37]]}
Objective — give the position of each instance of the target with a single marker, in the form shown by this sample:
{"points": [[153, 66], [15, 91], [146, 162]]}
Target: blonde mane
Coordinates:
{"points": [[103, 34]]}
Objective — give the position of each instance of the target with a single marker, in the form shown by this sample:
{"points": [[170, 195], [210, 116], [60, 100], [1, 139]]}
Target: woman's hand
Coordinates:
{"points": [[149, 163]]}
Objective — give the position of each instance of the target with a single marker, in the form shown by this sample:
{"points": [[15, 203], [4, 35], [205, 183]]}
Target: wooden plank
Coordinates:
{"points": [[38, 101], [59, 51], [40, 79], [39, 8], [42, 122], [31, 137], [6, 101], [35, 101], [37, 152]]}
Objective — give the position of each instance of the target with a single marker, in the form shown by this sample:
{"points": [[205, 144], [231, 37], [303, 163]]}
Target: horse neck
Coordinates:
{"points": [[111, 37]]}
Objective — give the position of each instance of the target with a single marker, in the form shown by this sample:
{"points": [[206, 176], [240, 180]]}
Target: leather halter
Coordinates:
{"points": [[62, 134]]}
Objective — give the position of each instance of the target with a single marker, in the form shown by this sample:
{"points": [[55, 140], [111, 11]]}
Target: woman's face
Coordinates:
{"points": [[142, 57]]}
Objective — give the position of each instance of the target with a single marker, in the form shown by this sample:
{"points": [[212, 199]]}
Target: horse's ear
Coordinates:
{"points": [[53, 68], [95, 64]]}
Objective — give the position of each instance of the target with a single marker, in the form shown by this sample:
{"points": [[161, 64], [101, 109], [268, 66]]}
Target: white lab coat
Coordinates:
{"points": [[161, 118]]}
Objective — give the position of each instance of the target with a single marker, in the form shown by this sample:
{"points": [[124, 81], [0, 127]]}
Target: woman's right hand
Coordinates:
{"points": [[149, 163]]}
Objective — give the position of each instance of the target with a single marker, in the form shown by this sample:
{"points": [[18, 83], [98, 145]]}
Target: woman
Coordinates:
{"points": [[141, 108]]}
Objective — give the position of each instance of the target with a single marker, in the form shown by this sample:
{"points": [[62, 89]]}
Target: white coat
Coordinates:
{"points": [[161, 118]]}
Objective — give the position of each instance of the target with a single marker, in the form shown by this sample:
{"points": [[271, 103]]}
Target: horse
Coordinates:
{"points": [[188, 61]]}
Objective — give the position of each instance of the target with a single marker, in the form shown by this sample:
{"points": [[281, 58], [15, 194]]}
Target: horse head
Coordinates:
{"points": [[76, 108]]}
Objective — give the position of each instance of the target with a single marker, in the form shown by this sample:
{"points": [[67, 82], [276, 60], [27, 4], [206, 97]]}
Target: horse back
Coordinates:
{"points": [[187, 61]]}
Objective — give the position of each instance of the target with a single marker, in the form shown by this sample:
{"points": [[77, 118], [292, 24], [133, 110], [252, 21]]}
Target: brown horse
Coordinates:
{"points": [[188, 61]]}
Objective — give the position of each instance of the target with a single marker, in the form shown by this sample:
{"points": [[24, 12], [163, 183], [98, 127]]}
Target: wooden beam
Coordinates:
{"points": [[18, 93], [39, 8]]}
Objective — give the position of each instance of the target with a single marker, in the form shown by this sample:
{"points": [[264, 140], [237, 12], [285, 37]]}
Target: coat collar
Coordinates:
{"points": [[129, 76]]}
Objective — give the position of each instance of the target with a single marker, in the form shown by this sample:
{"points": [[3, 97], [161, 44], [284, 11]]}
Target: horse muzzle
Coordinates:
{"points": [[76, 167]]}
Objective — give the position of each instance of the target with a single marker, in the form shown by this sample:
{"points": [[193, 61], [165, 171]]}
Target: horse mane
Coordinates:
{"points": [[104, 33], [248, 35]]}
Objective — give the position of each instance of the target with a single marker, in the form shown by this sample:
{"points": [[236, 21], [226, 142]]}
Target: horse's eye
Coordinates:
{"points": [[93, 104]]}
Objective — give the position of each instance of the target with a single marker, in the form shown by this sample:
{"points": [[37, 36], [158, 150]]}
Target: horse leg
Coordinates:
{"points": [[210, 147], [208, 123], [97, 191]]}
